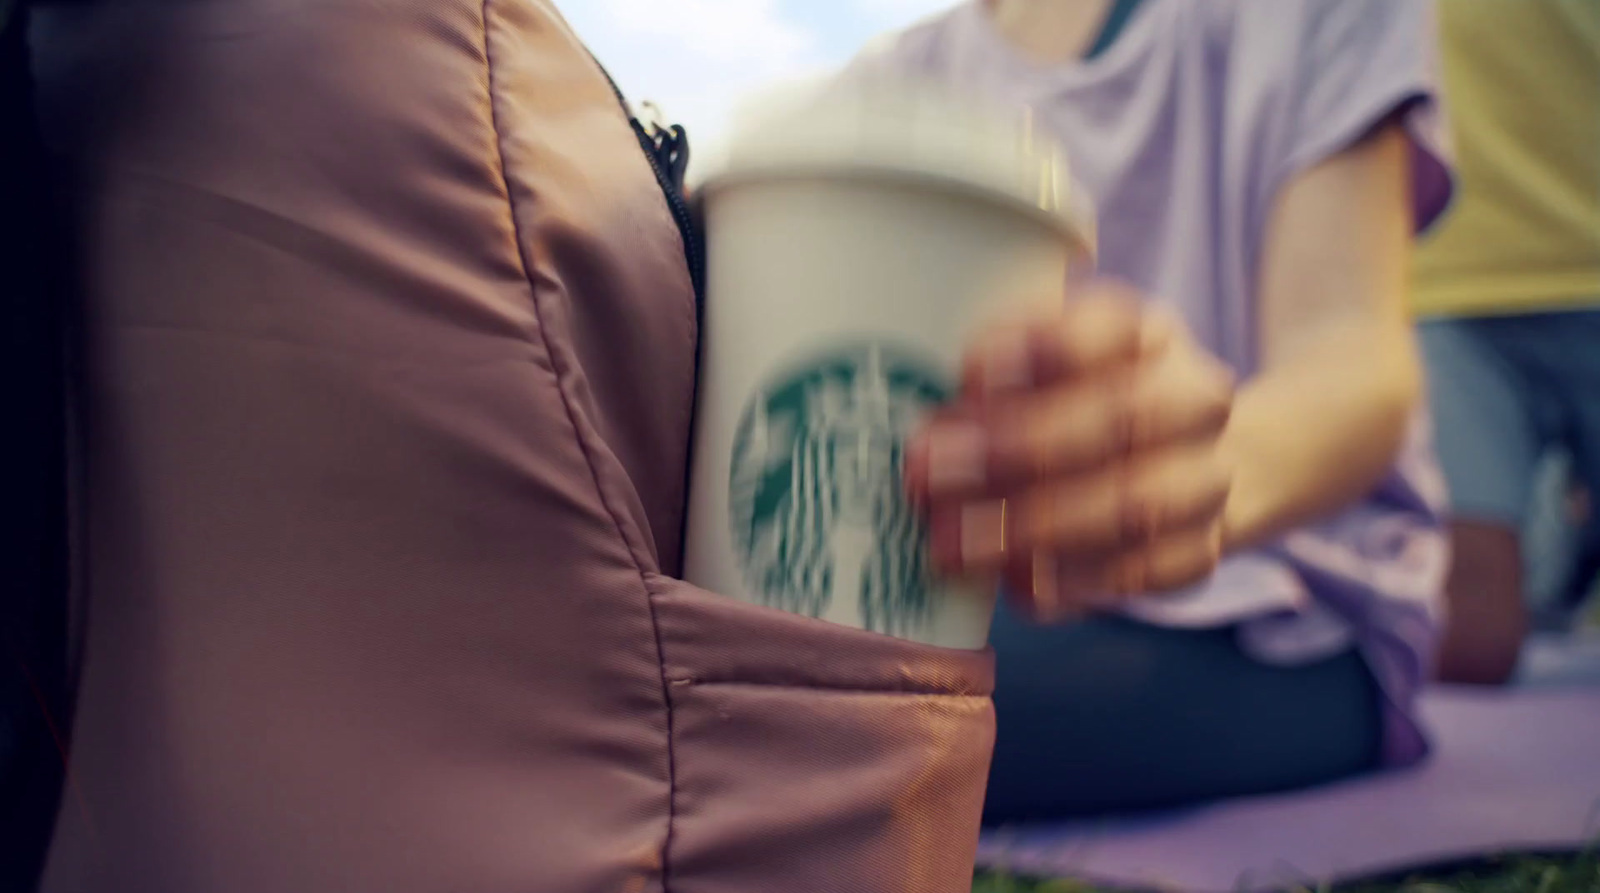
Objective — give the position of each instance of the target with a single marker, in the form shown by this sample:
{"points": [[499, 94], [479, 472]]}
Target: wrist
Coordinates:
{"points": [[1243, 523], [1250, 515]]}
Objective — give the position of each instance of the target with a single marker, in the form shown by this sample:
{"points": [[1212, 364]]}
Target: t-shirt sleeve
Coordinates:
{"points": [[900, 55], [1359, 62]]}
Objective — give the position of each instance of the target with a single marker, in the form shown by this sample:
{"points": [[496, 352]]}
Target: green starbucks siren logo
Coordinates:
{"points": [[815, 495]]}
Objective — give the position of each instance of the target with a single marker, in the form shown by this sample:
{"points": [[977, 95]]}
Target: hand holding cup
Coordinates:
{"points": [[1081, 463]]}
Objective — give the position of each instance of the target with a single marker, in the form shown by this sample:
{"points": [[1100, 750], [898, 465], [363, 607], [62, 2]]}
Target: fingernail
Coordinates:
{"points": [[958, 458], [983, 533], [1008, 367]]}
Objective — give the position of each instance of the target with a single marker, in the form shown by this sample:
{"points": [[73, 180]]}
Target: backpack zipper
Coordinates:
{"points": [[667, 151]]}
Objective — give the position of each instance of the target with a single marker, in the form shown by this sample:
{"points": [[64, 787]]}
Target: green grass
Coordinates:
{"points": [[1518, 875]]}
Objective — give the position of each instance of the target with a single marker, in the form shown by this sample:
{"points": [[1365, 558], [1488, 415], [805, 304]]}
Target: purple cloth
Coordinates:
{"points": [[1514, 771], [1184, 133]]}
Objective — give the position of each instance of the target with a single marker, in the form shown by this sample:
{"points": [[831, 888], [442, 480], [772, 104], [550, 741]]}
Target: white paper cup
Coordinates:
{"points": [[853, 243]]}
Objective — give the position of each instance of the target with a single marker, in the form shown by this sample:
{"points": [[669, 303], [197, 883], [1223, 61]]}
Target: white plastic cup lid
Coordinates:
{"points": [[895, 129]]}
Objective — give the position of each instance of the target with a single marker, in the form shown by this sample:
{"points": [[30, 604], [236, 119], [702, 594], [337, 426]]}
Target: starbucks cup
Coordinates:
{"points": [[855, 239]]}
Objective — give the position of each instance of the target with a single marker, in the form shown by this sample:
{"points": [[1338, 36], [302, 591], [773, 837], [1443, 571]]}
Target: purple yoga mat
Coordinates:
{"points": [[1511, 771]]}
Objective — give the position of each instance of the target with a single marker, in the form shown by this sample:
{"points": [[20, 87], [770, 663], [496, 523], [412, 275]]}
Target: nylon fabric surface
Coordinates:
{"points": [[389, 366]]}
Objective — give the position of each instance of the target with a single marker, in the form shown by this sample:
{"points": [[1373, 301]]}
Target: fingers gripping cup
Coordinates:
{"points": [[854, 239]]}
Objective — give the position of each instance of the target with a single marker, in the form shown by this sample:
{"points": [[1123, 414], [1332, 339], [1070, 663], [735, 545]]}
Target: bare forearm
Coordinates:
{"points": [[1318, 431]]}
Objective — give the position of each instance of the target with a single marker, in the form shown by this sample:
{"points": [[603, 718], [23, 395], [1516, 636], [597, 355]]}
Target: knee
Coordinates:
{"points": [[1488, 621], [1479, 659]]}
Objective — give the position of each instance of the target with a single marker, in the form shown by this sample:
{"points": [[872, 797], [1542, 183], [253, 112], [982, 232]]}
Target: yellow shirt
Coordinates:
{"points": [[1522, 81]]}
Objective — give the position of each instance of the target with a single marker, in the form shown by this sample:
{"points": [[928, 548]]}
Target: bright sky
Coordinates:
{"points": [[695, 58]]}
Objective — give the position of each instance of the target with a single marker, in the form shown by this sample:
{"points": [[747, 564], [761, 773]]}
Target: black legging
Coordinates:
{"points": [[1110, 715]]}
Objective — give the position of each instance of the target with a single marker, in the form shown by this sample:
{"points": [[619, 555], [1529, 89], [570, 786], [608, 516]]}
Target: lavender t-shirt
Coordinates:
{"points": [[1184, 132]]}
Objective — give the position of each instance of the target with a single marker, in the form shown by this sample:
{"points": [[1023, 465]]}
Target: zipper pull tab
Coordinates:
{"points": [[669, 142], [649, 115]]}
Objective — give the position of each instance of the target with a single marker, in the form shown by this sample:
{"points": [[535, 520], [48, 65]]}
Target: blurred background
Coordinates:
{"points": [[696, 58]]}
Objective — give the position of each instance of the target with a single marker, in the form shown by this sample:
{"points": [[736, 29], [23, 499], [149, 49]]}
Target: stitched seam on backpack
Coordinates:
{"points": [[584, 447]]}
